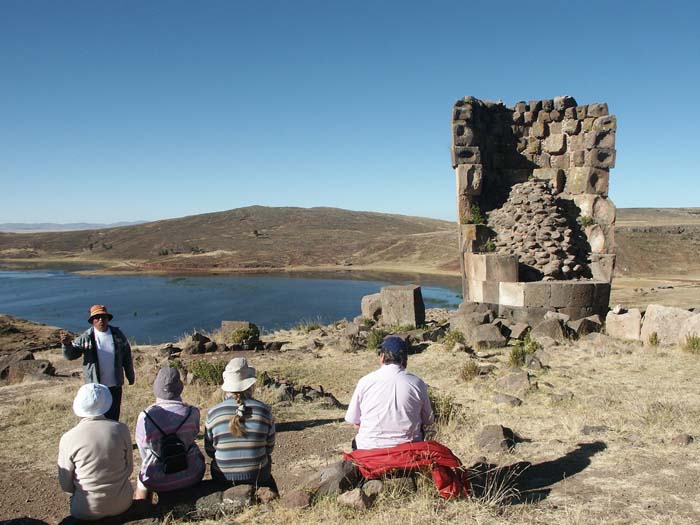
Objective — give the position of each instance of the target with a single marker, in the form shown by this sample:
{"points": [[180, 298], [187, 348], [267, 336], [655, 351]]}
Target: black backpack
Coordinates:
{"points": [[173, 452]]}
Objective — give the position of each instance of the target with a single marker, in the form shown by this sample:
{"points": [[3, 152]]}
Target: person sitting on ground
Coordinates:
{"points": [[165, 435], [389, 406], [95, 458], [106, 355], [240, 431]]}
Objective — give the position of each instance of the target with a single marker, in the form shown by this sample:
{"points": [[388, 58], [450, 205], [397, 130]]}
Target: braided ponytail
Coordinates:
{"points": [[237, 425]]}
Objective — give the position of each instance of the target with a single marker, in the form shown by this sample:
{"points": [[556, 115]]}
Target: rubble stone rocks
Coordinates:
{"points": [[665, 321], [237, 497], [485, 336], [7, 360], [682, 440], [336, 478], [496, 438], [519, 330], [371, 306], [517, 382], [585, 326], [373, 488], [506, 399], [533, 226], [37, 368], [552, 328], [296, 499], [266, 495], [402, 305], [355, 498], [624, 325], [195, 344]]}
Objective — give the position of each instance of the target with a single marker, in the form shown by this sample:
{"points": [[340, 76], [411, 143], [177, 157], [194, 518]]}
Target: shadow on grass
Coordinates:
{"points": [[526, 482]]}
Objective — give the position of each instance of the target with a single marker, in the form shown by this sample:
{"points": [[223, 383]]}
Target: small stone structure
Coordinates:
{"points": [[536, 225]]}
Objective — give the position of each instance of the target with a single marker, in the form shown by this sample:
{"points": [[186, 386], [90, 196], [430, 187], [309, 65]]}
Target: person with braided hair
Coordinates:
{"points": [[240, 431]]}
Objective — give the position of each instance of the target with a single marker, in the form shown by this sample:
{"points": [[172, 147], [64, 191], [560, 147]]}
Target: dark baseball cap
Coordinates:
{"points": [[395, 345]]}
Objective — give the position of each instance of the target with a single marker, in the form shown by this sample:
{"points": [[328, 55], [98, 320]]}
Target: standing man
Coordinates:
{"points": [[390, 406], [106, 355]]}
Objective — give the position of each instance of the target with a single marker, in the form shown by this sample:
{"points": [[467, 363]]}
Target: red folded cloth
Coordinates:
{"points": [[449, 477]]}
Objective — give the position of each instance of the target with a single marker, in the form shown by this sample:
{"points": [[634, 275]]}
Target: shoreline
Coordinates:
{"points": [[135, 268]]}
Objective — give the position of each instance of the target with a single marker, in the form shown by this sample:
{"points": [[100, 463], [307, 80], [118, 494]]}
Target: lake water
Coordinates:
{"points": [[156, 309]]}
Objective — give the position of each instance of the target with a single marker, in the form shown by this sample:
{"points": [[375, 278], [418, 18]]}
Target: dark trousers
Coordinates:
{"points": [[115, 409]]}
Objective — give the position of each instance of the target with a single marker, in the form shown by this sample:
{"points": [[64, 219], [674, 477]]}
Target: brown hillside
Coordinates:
{"points": [[254, 238], [649, 242]]}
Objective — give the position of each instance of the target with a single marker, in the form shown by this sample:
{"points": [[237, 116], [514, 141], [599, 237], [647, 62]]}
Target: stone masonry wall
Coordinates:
{"points": [[532, 182]]}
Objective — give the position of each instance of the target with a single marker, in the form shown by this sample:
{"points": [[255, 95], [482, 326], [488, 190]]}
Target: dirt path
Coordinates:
{"points": [[302, 447]]}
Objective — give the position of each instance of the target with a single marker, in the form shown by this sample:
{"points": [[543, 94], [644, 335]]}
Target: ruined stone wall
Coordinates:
{"points": [[532, 185]]}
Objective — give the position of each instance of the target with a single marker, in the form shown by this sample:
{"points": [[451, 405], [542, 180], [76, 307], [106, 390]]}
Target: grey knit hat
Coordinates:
{"points": [[168, 384]]}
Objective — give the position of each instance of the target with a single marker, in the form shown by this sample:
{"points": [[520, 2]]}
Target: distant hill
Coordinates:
{"points": [[257, 238], [33, 227]]}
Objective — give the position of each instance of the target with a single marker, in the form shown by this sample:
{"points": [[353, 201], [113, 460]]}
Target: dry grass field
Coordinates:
{"points": [[599, 429]]}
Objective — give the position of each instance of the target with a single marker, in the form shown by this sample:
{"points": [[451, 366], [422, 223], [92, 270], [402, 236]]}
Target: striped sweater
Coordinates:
{"points": [[239, 458]]}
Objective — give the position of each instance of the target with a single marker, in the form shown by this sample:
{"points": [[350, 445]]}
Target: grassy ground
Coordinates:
{"points": [[627, 469]]}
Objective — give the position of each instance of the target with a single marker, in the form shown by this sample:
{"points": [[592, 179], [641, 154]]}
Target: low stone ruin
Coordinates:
{"points": [[536, 225]]}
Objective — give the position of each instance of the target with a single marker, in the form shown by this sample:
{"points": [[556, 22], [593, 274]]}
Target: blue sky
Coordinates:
{"points": [[141, 110]]}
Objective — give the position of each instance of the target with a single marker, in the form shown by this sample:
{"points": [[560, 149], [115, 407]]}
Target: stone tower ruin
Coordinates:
{"points": [[536, 226]]}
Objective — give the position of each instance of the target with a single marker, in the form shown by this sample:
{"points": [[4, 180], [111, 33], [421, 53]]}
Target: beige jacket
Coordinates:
{"points": [[94, 465]]}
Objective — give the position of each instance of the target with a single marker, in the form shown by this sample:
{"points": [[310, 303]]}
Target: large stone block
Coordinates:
{"points": [[560, 161], [600, 158], [469, 179], [511, 294], [462, 134], [599, 139], [402, 305], [483, 291], [371, 306], [600, 209], [530, 294], [555, 144], [571, 126], [587, 180], [601, 303], [473, 235], [537, 294], [465, 155], [555, 176], [539, 130], [597, 110], [522, 314], [597, 241], [564, 102], [568, 294], [665, 321], [624, 325], [602, 266], [607, 123], [491, 267]]}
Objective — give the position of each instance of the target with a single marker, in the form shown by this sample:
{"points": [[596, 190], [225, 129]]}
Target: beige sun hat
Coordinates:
{"points": [[238, 376], [92, 400]]}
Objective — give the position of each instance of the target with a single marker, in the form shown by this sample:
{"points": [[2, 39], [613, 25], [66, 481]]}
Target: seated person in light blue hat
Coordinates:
{"points": [[95, 458]]}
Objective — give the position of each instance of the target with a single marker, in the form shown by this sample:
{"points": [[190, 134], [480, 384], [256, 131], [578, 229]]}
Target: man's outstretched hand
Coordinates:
{"points": [[65, 338]]}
